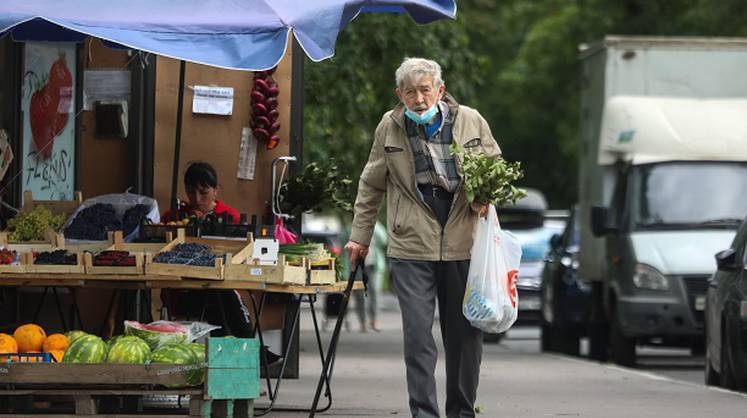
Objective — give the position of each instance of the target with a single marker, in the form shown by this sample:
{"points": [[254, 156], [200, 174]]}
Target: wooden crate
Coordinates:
{"points": [[323, 274], [245, 269], [55, 206], [24, 247], [77, 268], [219, 246], [139, 250], [232, 382]]}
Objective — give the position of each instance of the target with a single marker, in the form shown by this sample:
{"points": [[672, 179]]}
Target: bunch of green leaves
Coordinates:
{"points": [[33, 225], [489, 179], [319, 186]]}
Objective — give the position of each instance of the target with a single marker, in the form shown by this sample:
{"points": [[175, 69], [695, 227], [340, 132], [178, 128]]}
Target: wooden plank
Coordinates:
{"points": [[121, 374], [199, 407], [85, 405], [78, 268], [243, 408], [99, 392], [232, 353], [232, 383], [181, 270], [55, 206], [137, 269], [96, 416]]}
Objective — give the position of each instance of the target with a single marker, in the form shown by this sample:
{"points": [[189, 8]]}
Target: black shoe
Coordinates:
{"points": [[271, 357]]}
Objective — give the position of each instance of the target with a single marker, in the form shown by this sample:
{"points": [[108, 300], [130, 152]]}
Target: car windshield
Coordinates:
{"points": [[690, 194]]}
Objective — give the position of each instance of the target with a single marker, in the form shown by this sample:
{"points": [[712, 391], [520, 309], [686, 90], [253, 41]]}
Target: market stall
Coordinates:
{"points": [[103, 108]]}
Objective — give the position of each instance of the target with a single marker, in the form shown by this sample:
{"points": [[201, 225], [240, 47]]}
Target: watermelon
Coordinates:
{"points": [[199, 350], [157, 335], [74, 335], [86, 349], [179, 354], [129, 350], [111, 341]]}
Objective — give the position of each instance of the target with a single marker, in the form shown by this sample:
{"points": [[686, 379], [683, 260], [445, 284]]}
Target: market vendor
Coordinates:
{"points": [[201, 184]]}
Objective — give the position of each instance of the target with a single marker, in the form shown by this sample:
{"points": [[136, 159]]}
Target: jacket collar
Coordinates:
{"points": [[398, 113]]}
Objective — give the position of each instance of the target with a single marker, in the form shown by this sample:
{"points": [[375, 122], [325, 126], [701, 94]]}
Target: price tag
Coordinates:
{"points": [[255, 272]]}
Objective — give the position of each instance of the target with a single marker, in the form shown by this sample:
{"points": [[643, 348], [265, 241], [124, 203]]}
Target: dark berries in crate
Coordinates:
{"points": [[57, 258], [188, 254], [114, 258]]}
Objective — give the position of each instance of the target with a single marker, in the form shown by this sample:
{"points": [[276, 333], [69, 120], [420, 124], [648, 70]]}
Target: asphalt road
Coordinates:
{"points": [[516, 380]]}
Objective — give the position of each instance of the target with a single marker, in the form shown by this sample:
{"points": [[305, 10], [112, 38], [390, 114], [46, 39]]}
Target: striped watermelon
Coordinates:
{"points": [[111, 341], [129, 350], [74, 335], [178, 354], [86, 349], [199, 350]]}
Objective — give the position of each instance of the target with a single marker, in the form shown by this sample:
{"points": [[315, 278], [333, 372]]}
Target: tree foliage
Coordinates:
{"points": [[516, 61]]}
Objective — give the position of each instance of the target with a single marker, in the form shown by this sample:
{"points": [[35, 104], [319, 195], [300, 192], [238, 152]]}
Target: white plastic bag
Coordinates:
{"points": [[491, 301], [121, 202]]}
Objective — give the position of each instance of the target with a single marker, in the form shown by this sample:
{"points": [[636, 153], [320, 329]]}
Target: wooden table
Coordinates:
{"points": [[307, 292]]}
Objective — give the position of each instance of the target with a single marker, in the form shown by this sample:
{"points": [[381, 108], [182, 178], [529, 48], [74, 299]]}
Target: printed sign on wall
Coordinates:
{"points": [[48, 106]]}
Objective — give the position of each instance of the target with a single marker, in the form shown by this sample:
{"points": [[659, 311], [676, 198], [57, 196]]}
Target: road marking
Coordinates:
{"points": [[648, 375]]}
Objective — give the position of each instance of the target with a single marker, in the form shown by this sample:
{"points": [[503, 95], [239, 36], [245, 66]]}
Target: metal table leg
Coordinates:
{"points": [[286, 354]]}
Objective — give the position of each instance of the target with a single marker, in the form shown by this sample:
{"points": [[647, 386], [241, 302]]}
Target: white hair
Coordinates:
{"points": [[412, 69]]}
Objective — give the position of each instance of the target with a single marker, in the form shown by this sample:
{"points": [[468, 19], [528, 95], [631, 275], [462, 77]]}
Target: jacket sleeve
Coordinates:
{"points": [[371, 189], [489, 144]]}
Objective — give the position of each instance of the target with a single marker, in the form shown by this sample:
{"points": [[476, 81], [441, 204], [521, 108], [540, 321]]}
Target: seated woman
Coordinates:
{"points": [[221, 307], [201, 184]]}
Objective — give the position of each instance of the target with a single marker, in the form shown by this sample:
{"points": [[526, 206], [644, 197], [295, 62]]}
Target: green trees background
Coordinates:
{"points": [[516, 61]]}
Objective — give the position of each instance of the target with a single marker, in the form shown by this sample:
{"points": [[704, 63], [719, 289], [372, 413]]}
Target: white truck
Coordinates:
{"points": [[663, 183]]}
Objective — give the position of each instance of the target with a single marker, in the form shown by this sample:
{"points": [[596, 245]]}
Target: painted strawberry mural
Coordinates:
{"points": [[49, 106], [61, 83]]}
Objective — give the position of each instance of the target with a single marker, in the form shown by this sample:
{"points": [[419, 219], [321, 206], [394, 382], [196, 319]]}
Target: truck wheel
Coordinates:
{"points": [[567, 342], [622, 348], [598, 341], [546, 336]]}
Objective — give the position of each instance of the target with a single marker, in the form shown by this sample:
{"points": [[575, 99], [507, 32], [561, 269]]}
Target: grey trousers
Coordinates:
{"points": [[418, 284]]}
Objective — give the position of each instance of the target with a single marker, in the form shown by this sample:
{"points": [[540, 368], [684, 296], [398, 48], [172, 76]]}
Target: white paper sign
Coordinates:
{"points": [[212, 100], [247, 155], [105, 85]]}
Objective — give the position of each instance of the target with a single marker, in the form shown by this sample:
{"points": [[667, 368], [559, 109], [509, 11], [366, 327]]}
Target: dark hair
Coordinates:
{"points": [[200, 174]]}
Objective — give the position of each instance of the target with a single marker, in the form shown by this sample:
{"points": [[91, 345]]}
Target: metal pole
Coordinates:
{"points": [[178, 139]]}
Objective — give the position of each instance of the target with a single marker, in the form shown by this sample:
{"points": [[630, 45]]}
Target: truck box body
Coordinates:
{"points": [[679, 75]]}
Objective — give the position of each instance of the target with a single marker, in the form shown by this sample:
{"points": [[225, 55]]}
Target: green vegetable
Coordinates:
{"points": [[319, 186], [488, 180]]}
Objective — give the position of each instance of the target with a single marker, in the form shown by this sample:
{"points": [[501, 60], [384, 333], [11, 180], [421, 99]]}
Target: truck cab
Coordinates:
{"points": [[663, 179]]}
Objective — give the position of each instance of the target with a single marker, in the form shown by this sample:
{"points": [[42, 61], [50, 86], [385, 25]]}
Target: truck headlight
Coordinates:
{"points": [[647, 277]]}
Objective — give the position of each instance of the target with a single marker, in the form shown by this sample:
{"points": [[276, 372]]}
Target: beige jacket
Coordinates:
{"points": [[413, 230]]}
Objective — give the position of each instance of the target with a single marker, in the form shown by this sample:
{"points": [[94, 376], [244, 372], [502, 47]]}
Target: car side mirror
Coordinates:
{"points": [[726, 260], [556, 240], [599, 221]]}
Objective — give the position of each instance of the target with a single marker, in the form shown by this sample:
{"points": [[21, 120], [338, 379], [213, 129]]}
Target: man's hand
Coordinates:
{"points": [[355, 250], [480, 208]]}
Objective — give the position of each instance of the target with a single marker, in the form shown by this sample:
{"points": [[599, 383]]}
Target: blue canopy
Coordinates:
{"points": [[234, 34]]}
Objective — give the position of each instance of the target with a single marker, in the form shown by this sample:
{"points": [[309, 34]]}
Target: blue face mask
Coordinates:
{"points": [[425, 117]]}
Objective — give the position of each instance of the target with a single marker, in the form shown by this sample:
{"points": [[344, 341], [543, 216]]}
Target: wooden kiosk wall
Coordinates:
{"points": [[215, 139]]}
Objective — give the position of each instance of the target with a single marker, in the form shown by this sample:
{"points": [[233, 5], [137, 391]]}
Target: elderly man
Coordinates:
{"points": [[430, 226]]}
